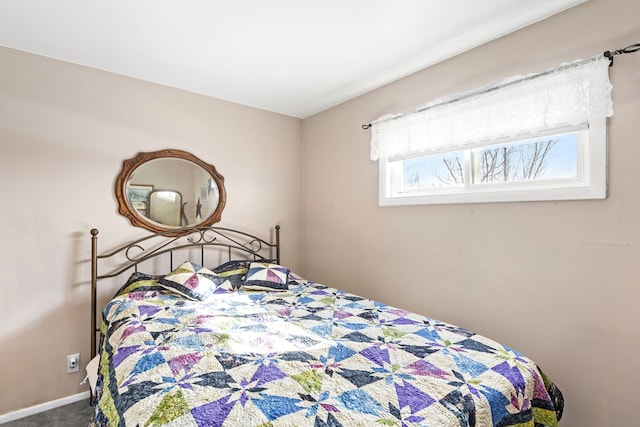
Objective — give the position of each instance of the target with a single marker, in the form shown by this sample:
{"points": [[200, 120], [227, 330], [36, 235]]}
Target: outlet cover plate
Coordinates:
{"points": [[73, 363]]}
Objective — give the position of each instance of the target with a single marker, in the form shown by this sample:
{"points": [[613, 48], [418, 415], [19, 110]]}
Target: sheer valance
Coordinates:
{"points": [[574, 94]]}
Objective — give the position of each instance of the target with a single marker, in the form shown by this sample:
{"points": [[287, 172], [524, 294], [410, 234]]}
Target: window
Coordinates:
{"points": [[462, 149], [559, 166]]}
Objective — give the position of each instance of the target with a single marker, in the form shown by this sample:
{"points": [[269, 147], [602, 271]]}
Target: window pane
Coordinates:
{"points": [[435, 171], [537, 159]]}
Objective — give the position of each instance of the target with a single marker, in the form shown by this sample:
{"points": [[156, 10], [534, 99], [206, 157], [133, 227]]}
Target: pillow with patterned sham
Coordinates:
{"points": [[234, 272], [139, 282], [192, 281], [267, 276]]}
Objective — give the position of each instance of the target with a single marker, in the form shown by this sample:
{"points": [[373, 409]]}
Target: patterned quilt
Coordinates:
{"points": [[309, 356]]}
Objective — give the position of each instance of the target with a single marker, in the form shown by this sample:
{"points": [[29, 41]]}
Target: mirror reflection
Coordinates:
{"points": [[170, 189], [176, 185], [165, 207]]}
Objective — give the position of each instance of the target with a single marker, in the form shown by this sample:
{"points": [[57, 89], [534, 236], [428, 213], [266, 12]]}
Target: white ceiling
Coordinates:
{"points": [[295, 57]]}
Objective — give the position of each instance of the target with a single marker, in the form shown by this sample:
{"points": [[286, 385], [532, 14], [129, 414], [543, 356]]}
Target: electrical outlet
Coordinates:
{"points": [[73, 363]]}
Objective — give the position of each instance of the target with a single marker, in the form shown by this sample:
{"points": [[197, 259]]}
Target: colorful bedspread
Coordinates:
{"points": [[310, 356]]}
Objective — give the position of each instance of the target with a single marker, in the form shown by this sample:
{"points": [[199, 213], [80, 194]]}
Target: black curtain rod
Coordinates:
{"points": [[608, 54], [629, 49]]}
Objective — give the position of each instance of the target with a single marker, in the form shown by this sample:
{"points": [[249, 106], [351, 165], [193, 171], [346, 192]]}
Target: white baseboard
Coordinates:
{"points": [[32, 410]]}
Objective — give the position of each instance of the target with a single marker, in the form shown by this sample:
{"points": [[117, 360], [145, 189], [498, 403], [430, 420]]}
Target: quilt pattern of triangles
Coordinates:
{"points": [[310, 356]]}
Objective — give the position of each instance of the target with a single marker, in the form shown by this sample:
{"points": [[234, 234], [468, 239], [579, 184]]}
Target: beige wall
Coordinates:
{"points": [[558, 281], [64, 132]]}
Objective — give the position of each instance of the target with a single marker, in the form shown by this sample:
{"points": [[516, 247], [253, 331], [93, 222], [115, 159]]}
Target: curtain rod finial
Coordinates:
{"points": [[367, 126], [629, 49]]}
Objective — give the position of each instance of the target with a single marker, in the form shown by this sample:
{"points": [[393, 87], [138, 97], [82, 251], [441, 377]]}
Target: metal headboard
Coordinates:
{"points": [[237, 245]]}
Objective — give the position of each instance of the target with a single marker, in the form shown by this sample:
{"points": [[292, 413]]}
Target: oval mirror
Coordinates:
{"points": [[169, 189]]}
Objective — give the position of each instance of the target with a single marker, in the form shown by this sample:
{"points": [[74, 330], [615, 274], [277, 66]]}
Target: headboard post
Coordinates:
{"points": [[94, 282], [277, 244]]}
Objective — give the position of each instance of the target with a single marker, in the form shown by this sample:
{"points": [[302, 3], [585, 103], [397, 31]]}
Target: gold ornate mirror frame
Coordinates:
{"points": [[137, 219]]}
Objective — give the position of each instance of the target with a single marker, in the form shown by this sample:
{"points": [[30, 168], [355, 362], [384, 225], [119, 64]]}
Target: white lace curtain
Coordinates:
{"points": [[574, 94]]}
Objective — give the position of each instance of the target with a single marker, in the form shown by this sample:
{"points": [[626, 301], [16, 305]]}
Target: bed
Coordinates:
{"points": [[240, 340]]}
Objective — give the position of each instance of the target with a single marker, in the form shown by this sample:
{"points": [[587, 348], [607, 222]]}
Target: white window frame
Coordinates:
{"points": [[591, 182]]}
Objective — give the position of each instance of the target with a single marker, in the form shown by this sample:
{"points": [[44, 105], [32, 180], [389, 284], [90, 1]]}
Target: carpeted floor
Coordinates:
{"points": [[74, 415]]}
